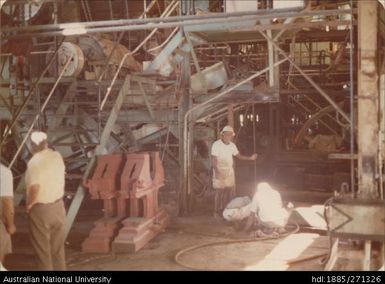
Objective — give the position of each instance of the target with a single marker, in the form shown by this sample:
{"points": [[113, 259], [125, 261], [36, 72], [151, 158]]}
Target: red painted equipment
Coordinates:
{"points": [[103, 185], [141, 179], [128, 185]]}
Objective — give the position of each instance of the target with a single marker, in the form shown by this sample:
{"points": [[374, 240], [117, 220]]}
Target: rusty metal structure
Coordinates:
{"points": [[301, 81]]}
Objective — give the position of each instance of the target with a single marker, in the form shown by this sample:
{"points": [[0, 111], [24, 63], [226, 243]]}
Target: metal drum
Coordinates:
{"points": [[67, 50], [96, 50]]}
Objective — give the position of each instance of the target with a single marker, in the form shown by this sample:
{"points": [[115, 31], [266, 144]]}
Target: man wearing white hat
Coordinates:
{"points": [[45, 189], [222, 153]]}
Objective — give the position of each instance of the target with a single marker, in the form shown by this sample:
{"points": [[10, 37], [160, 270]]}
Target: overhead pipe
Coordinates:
{"points": [[151, 23], [159, 19]]}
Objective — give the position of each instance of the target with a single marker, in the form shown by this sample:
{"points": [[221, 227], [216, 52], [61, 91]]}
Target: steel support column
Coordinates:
{"points": [[185, 103], [368, 100]]}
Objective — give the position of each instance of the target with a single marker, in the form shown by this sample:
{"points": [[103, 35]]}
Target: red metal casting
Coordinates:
{"points": [[129, 186]]}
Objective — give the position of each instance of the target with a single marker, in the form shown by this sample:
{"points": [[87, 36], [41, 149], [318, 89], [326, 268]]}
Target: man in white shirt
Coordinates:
{"points": [[45, 178], [265, 209], [7, 225], [222, 153]]}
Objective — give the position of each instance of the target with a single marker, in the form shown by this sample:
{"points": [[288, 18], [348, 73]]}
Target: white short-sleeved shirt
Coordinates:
{"points": [[267, 205], [47, 169], [224, 153], [6, 181]]}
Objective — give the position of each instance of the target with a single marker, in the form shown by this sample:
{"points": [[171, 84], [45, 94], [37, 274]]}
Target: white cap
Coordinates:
{"points": [[38, 136], [228, 128]]}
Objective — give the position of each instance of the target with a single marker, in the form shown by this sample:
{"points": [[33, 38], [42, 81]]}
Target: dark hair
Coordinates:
{"points": [[39, 147]]}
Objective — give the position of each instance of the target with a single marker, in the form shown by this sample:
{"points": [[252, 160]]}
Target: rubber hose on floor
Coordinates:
{"points": [[183, 251]]}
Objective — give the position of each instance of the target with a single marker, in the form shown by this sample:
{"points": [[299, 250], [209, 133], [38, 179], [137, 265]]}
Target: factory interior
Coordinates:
{"points": [[134, 93]]}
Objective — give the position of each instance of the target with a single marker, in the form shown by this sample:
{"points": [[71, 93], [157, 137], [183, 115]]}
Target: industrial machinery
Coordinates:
{"points": [[129, 186]]}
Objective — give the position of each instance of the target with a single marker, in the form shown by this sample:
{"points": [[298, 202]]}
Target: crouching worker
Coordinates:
{"points": [[265, 212]]}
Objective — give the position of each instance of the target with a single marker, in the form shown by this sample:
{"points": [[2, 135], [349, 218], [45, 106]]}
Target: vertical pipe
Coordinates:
{"points": [[351, 66], [382, 129], [55, 12], [271, 60], [145, 7], [254, 146], [367, 255], [230, 115], [39, 110], [99, 111], [126, 6], [111, 9]]}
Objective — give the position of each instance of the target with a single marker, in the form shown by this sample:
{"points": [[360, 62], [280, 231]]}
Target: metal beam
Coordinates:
{"points": [[147, 139], [165, 53], [310, 80], [270, 55], [146, 101], [185, 103], [223, 21], [261, 13], [57, 119], [106, 133], [142, 115], [196, 63]]}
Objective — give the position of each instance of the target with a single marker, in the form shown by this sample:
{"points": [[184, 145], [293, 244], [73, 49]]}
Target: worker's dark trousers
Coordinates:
{"points": [[222, 198], [46, 224]]}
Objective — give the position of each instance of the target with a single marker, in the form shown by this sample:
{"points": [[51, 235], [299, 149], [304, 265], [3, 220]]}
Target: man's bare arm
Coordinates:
{"points": [[214, 161], [8, 214], [32, 196], [248, 158]]}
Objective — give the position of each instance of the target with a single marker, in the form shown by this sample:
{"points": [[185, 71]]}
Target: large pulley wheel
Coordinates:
{"points": [[65, 52]]}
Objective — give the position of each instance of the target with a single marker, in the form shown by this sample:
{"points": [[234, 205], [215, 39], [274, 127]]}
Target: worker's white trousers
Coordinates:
{"points": [[237, 214]]}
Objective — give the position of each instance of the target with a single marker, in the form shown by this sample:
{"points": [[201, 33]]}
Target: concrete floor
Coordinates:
{"points": [[159, 254], [226, 252]]}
